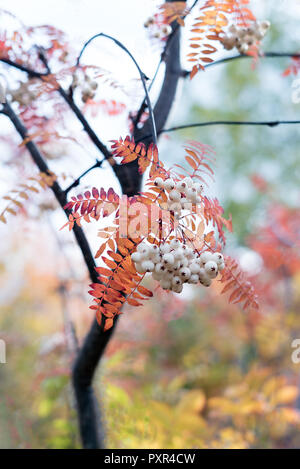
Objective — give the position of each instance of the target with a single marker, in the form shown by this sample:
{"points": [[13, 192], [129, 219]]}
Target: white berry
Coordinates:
{"points": [[147, 266], [168, 259], [218, 258], [194, 279], [206, 257], [185, 273], [159, 182], [211, 269], [175, 195], [136, 257], [194, 268], [169, 184]]}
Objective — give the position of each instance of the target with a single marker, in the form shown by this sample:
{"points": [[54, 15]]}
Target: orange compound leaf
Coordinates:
{"points": [[19, 196], [103, 271], [109, 263], [213, 213], [215, 15], [237, 283], [129, 151], [132, 302], [145, 291], [108, 324], [115, 256], [118, 284], [175, 11]]}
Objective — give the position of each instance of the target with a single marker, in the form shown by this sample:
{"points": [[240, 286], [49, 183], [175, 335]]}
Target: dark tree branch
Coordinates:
{"points": [[91, 428], [211, 123], [232, 58], [168, 90], [175, 30], [76, 183]]}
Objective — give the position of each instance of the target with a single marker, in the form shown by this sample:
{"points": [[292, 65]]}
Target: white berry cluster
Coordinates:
{"points": [[159, 31], [180, 194], [87, 86], [173, 263], [244, 38]]}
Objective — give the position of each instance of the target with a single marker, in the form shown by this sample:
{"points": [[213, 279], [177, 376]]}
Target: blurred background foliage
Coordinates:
{"points": [[190, 372]]}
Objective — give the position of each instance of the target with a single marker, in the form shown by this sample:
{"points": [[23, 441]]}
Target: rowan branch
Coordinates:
{"points": [[175, 28], [232, 58], [212, 123], [76, 183], [91, 428]]}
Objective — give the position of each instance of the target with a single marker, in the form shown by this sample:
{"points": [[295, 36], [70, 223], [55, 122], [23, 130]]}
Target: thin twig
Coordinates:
{"points": [[212, 123], [76, 183], [142, 75], [267, 55]]}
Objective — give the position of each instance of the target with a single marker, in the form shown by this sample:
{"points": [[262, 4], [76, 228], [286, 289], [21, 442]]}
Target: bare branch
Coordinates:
{"points": [[142, 75], [76, 183], [212, 123]]}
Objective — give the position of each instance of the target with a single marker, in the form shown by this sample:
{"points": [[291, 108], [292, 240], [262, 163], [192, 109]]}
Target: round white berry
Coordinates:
{"points": [[136, 257], [175, 195], [155, 258], [265, 25], [185, 273], [176, 266], [188, 181], [218, 258], [259, 34], [159, 182], [141, 246], [184, 262], [194, 279], [168, 259], [169, 184], [145, 252], [176, 281], [175, 243], [194, 268], [202, 274], [206, 281], [181, 186], [165, 248], [189, 253], [159, 268], [185, 203], [178, 254], [211, 269], [166, 30], [147, 266], [199, 187], [206, 257]]}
